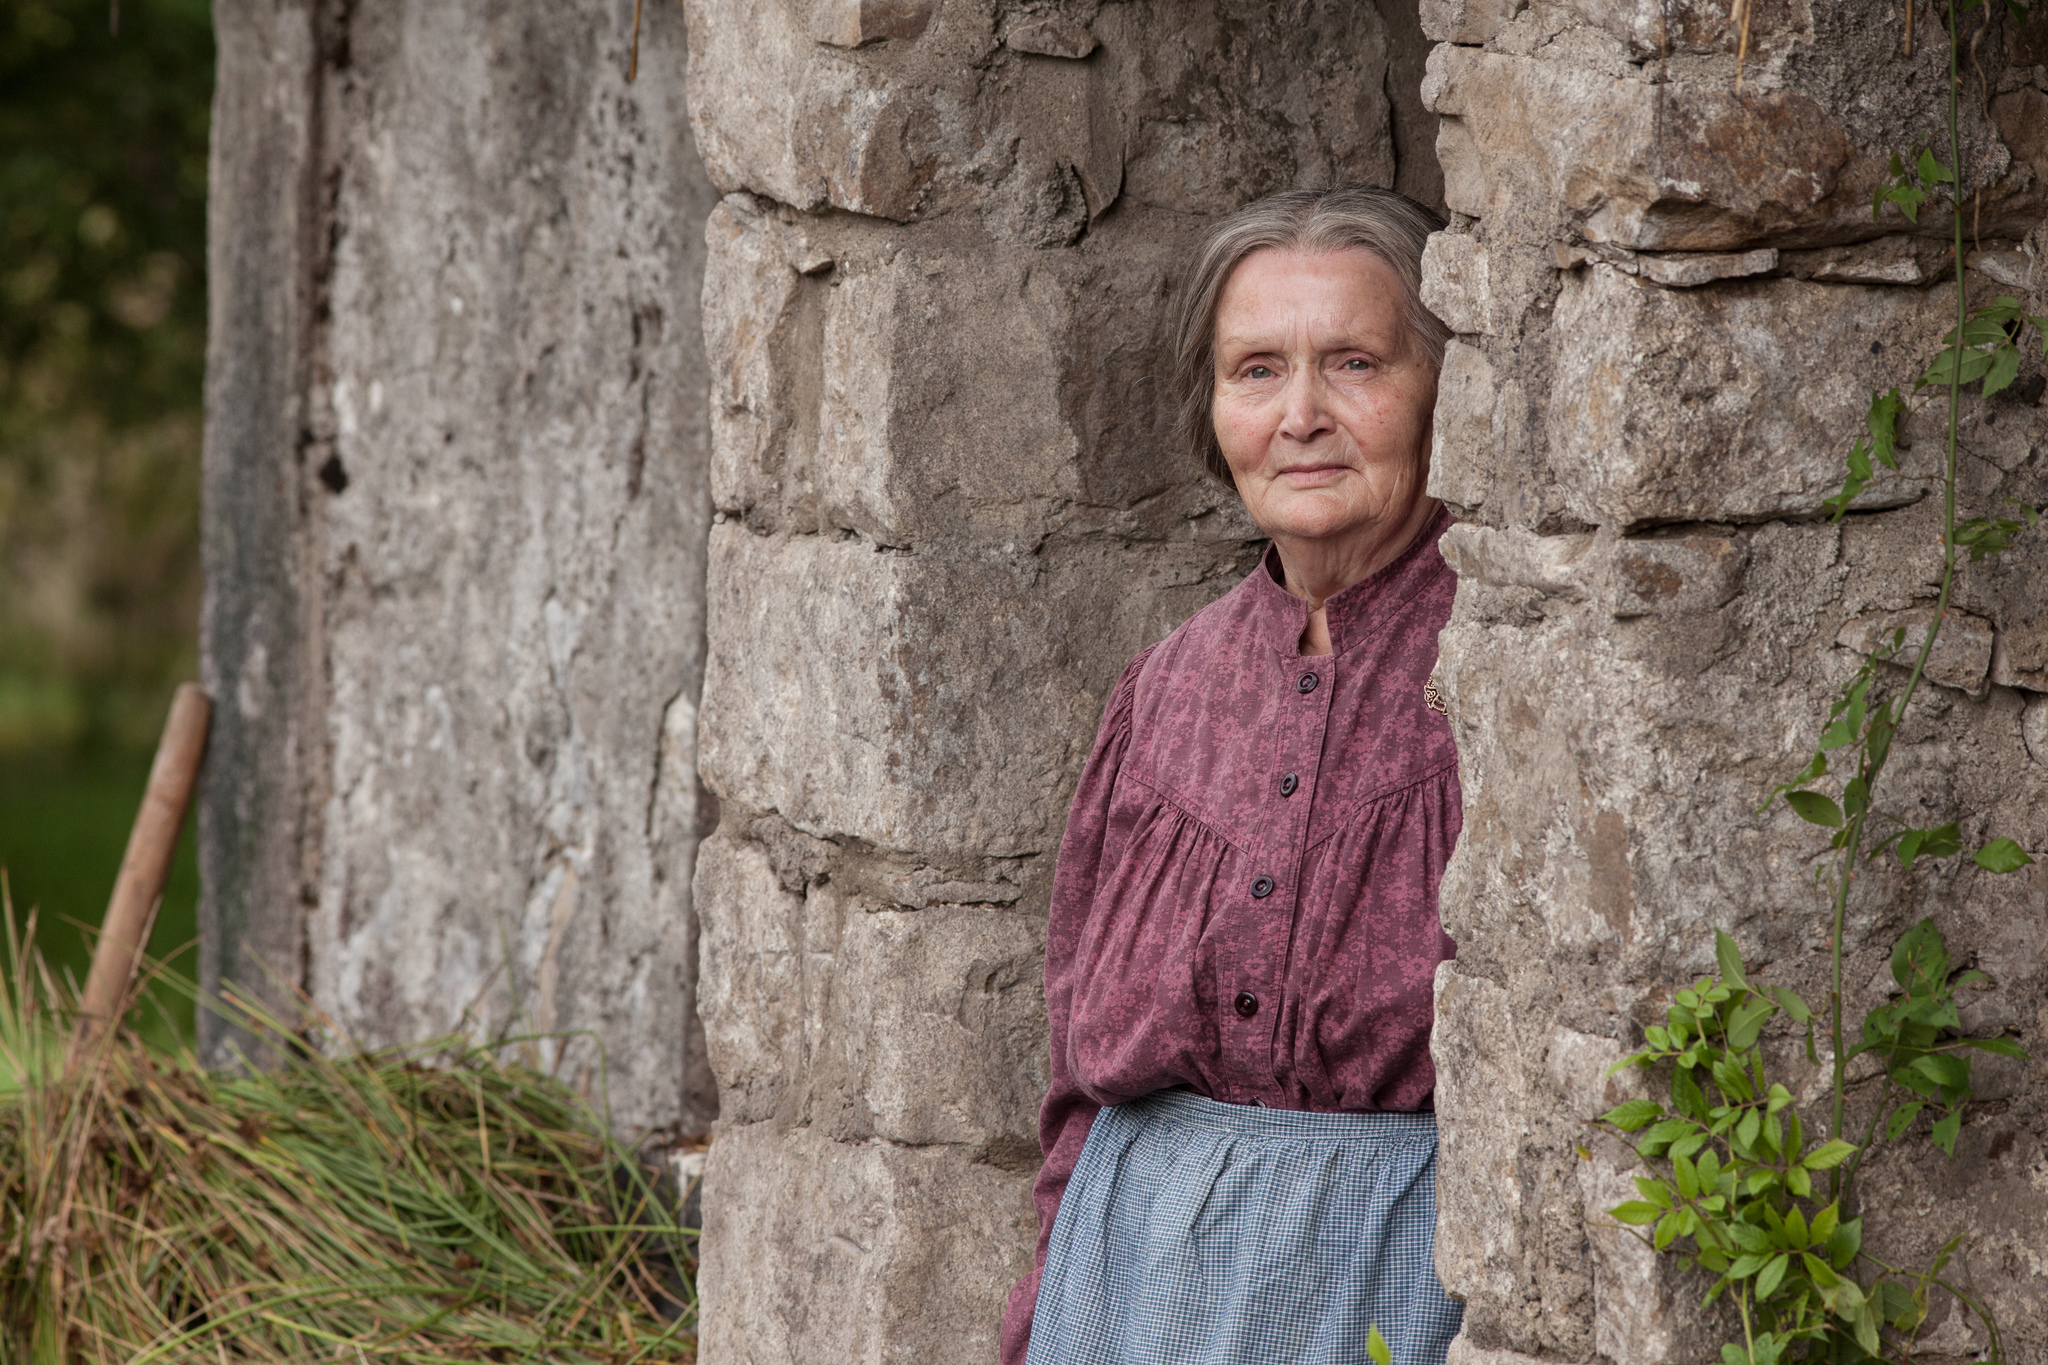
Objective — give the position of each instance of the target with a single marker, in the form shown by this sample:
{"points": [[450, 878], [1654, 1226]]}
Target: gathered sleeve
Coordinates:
{"points": [[1065, 1117]]}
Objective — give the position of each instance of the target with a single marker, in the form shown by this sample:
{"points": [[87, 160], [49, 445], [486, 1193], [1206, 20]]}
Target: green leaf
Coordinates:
{"points": [[1789, 1001], [1772, 1275], [1729, 958], [1933, 172], [1846, 1242], [1748, 1021], [1896, 1304], [1687, 1097], [1795, 1235], [1661, 1136], [1882, 420], [1930, 843], [1824, 1223], [1746, 1130], [1819, 1271], [1828, 1155], [1947, 1130], [1633, 1114], [1750, 1238], [1920, 958], [1688, 1178], [1950, 1073], [1901, 1119], [2002, 855], [1815, 809], [1655, 1191], [1746, 1266], [1667, 1230], [2003, 1047], [2005, 367], [1376, 1346]]}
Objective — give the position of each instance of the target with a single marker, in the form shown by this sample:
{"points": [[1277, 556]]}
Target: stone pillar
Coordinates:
{"points": [[1673, 306], [948, 510], [457, 505]]}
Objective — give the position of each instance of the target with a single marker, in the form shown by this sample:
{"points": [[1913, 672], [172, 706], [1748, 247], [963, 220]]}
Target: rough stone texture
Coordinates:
{"points": [[1673, 306], [457, 508], [260, 648], [948, 508]]}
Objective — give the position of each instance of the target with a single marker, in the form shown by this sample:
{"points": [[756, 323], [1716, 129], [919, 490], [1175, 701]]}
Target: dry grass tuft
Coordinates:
{"points": [[431, 1203]]}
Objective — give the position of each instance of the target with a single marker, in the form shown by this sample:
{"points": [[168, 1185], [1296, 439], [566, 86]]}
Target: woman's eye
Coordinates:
{"points": [[1258, 372], [1358, 364]]}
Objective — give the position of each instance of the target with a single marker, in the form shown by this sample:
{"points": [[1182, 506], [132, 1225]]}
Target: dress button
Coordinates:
{"points": [[1288, 784], [1306, 682], [1262, 887], [1246, 1004]]}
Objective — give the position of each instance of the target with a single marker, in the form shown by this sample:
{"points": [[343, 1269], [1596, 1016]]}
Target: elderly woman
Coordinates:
{"points": [[1240, 1152]]}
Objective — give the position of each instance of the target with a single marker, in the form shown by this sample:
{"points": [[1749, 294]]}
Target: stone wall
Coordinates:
{"points": [[487, 496], [1672, 306], [948, 511], [457, 499]]}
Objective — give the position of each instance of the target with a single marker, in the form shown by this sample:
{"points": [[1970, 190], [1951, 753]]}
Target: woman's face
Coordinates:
{"points": [[1323, 398]]}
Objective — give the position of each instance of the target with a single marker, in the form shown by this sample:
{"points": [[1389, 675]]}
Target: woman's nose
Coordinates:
{"points": [[1306, 415]]}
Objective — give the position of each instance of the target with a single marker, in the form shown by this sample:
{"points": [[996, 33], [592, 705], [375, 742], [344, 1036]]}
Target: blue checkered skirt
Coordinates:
{"points": [[1199, 1233]]}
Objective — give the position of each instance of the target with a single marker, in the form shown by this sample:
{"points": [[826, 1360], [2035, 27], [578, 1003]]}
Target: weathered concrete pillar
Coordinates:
{"points": [[948, 511], [457, 501], [1673, 306]]}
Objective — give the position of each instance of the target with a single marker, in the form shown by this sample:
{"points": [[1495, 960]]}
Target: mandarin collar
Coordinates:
{"points": [[1359, 611]]}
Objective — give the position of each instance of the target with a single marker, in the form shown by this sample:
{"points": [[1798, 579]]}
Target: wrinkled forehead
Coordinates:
{"points": [[1278, 297]]}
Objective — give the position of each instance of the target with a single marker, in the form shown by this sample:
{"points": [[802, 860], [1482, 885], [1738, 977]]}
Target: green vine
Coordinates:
{"points": [[1738, 1186]]}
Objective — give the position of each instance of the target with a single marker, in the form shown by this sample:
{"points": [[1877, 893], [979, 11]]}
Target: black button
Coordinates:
{"points": [[1247, 1004], [1288, 784], [1307, 683], [1262, 887]]}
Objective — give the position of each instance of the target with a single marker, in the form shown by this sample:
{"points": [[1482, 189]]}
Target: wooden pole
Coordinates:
{"points": [[139, 890]]}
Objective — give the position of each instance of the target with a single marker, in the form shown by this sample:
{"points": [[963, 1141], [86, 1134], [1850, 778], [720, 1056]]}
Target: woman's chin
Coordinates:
{"points": [[1311, 522]]}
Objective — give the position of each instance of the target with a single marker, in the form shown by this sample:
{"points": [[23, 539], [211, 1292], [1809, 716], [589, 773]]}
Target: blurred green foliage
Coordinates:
{"points": [[64, 821], [103, 141]]}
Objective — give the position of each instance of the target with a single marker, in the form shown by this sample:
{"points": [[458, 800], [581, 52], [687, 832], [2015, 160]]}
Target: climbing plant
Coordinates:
{"points": [[1742, 1185]]}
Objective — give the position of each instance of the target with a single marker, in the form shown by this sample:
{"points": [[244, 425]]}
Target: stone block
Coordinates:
{"points": [[1480, 1099], [867, 1021], [1896, 259], [1637, 1318], [1689, 270], [1656, 415], [2034, 729], [1462, 445], [921, 702], [855, 23], [1677, 574], [1456, 283], [1053, 36], [1685, 166], [1577, 1067], [1471, 22], [801, 106], [501, 569], [1557, 566], [1962, 652], [869, 1253], [838, 403]]}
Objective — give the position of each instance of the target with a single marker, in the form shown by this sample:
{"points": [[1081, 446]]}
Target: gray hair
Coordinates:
{"points": [[1391, 226]]}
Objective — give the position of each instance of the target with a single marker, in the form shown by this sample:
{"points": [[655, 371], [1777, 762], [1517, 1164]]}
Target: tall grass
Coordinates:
{"points": [[430, 1203]]}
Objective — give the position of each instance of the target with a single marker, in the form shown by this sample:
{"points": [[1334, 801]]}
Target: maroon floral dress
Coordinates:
{"points": [[1246, 898]]}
